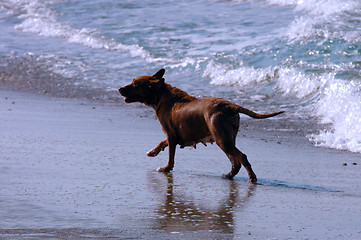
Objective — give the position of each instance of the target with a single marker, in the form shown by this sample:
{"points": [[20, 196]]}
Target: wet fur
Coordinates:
{"points": [[187, 120]]}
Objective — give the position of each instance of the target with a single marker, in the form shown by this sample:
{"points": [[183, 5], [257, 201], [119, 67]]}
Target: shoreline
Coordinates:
{"points": [[77, 169]]}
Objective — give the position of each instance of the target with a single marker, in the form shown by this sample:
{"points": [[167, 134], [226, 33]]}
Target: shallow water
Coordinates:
{"points": [[299, 56]]}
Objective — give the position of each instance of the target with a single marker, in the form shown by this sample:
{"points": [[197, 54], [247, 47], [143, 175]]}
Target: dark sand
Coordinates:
{"points": [[72, 169]]}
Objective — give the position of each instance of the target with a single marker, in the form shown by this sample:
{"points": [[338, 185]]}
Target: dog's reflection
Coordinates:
{"points": [[178, 212]]}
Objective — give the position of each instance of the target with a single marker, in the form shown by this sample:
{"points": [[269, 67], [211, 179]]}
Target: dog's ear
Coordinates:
{"points": [[161, 81], [159, 74]]}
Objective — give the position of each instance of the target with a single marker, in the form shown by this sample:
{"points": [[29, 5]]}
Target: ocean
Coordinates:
{"points": [[300, 56]]}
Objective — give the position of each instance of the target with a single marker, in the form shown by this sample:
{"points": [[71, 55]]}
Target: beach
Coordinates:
{"points": [[73, 161], [77, 169]]}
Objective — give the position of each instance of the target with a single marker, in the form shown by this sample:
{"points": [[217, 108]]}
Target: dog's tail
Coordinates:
{"points": [[253, 114]]}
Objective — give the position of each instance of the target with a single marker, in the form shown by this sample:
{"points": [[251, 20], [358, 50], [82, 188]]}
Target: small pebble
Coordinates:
{"points": [[354, 163], [345, 164]]}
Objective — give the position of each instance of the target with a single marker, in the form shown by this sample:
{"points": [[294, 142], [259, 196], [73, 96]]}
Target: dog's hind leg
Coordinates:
{"points": [[240, 159], [224, 131], [247, 165], [155, 151]]}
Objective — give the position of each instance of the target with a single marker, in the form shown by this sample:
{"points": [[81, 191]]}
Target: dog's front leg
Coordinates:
{"points": [[172, 146], [155, 151]]}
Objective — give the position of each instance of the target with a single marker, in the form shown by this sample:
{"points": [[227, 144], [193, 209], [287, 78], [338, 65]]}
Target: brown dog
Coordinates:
{"points": [[187, 120]]}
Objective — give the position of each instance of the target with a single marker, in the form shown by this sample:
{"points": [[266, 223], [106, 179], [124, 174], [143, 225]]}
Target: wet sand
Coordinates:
{"points": [[73, 169]]}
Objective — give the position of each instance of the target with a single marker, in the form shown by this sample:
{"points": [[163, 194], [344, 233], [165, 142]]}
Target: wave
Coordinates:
{"points": [[323, 20], [340, 107], [288, 81], [335, 102], [39, 18], [318, 7]]}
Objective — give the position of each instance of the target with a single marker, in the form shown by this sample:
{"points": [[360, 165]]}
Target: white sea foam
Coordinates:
{"points": [[226, 75], [340, 107], [289, 81], [39, 18]]}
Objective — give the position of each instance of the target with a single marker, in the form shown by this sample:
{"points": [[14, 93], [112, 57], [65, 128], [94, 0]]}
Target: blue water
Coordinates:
{"points": [[267, 55]]}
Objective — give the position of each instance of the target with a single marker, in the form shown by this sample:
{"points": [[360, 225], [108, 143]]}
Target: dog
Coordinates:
{"points": [[187, 120]]}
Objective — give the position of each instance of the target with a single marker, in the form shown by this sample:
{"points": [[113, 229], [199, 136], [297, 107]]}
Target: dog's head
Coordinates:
{"points": [[143, 89]]}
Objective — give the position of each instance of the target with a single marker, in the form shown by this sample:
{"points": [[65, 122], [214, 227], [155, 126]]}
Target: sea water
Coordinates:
{"points": [[300, 56]]}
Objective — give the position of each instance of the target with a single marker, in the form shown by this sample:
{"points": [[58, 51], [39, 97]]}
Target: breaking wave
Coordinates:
{"points": [[337, 106]]}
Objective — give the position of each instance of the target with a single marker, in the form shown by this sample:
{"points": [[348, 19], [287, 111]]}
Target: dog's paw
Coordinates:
{"points": [[252, 180], [165, 169], [227, 176], [152, 153]]}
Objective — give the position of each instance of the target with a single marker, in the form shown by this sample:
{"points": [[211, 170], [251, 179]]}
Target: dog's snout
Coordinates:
{"points": [[121, 90]]}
